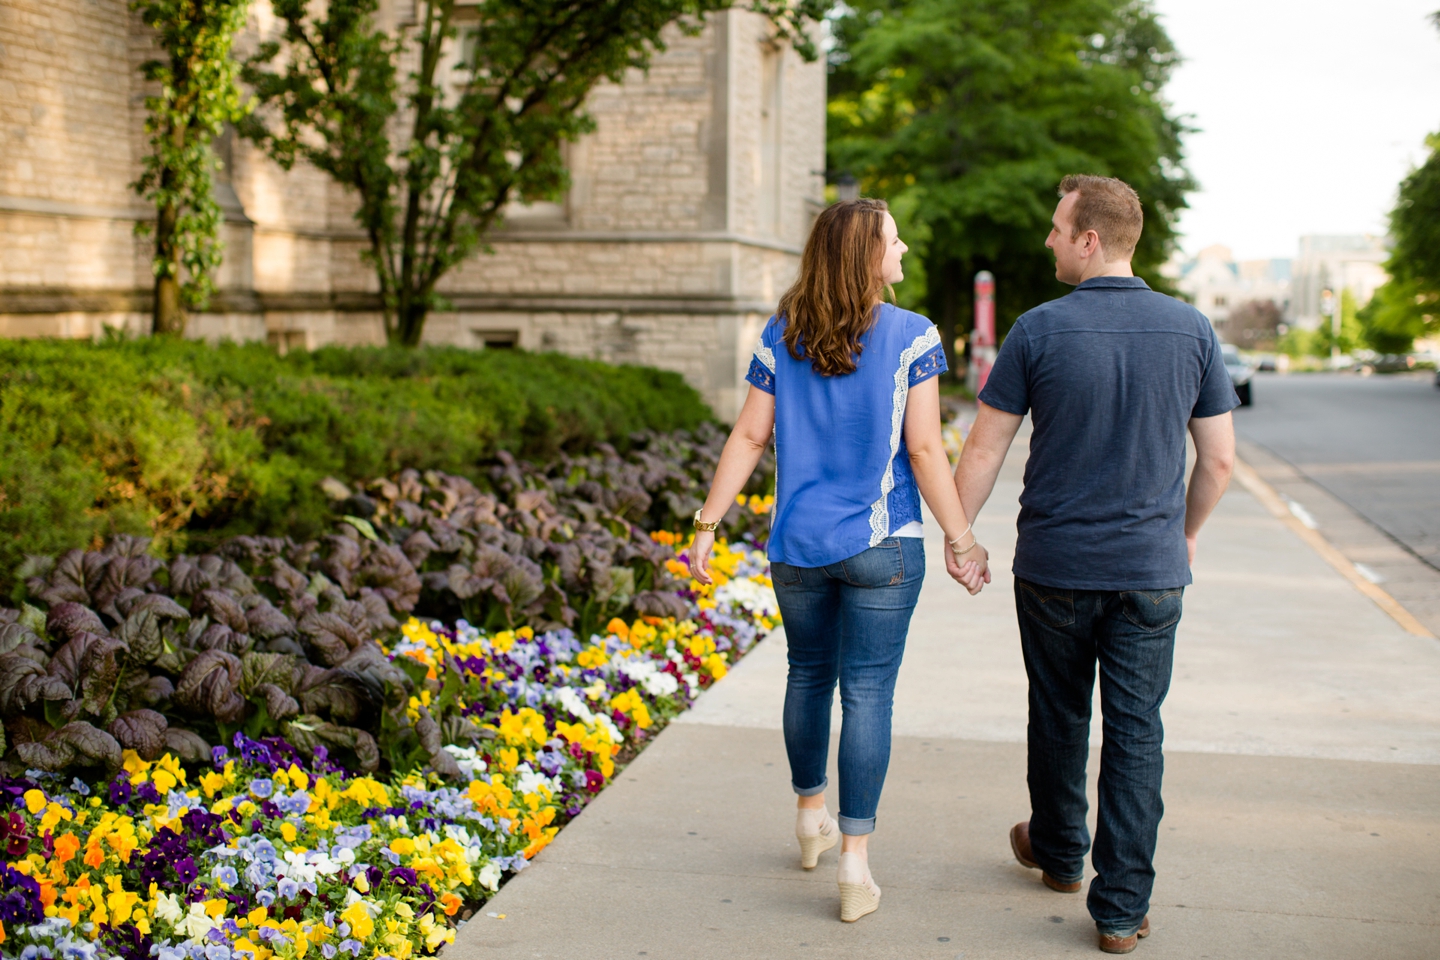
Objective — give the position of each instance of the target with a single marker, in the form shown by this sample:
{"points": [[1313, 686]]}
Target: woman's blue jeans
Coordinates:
{"points": [[847, 622]]}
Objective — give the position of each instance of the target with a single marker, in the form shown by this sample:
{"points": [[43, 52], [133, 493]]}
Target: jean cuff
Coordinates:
{"points": [[1121, 932], [811, 791], [855, 828]]}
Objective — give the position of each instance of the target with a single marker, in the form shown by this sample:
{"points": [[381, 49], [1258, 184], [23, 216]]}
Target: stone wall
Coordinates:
{"points": [[688, 208]]}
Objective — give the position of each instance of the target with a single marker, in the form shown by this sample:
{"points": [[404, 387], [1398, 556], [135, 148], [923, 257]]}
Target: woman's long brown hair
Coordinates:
{"points": [[832, 302]]}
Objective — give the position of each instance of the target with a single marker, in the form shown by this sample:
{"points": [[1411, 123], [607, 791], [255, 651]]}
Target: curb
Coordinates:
{"points": [[1267, 496]]}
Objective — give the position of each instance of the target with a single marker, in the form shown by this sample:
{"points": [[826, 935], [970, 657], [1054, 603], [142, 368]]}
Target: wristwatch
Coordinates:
{"points": [[702, 525]]}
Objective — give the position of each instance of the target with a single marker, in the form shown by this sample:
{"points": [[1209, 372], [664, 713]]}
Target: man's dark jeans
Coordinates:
{"points": [[1131, 634]]}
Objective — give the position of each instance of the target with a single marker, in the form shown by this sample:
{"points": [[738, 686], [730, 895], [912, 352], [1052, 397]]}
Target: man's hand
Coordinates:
{"points": [[1214, 461], [699, 554]]}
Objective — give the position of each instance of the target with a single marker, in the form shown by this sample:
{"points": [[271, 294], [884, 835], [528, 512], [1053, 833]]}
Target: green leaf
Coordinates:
{"points": [[359, 523], [32, 617]]}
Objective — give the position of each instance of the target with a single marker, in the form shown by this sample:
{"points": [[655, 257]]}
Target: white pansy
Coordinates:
{"points": [[467, 759], [489, 876], [570, 699], [167, 908], [297, 869], [750, 594], [530, 781], [648, 676], [197, 923]]}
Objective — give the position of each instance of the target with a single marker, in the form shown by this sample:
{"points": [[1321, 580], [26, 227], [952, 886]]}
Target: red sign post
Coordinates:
{"points": [[982, 338]]}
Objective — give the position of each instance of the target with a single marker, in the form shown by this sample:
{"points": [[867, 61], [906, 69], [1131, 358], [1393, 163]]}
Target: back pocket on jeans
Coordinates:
{"points": [[1048, 605], [784, 574], [882, 565], [1152, 610]]}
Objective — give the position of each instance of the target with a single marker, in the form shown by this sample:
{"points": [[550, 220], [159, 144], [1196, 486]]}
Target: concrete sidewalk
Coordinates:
{"points": [[1302, 790]]}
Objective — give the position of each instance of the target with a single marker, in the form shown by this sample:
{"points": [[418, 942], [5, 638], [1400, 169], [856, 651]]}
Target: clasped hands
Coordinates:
{"points": [[973, 572]]}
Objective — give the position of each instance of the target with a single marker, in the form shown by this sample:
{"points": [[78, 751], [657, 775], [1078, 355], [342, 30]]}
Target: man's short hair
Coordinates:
{"points": [[1108, 206]]}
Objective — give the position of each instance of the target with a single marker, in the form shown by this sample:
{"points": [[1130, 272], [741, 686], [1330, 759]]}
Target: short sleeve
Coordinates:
{"points": [[1217, 393], [1008, 386], [762, 363], [931, 363]]}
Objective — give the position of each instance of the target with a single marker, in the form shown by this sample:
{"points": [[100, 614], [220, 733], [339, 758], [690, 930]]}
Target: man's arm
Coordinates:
{"points": [[1214, 461], [980, 461], [932, 475]]}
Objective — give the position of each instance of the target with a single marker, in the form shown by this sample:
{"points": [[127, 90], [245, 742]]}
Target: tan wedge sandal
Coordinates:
{"points": [[817, 832], [859, 894]]}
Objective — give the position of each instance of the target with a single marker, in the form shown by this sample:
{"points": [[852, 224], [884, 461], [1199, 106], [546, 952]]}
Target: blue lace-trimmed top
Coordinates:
{"points": [[842, 478]]}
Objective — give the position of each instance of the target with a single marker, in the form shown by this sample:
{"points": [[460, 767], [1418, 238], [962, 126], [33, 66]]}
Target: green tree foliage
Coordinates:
{"points": [[198, 95], [965, 115], [1409, 305], [479, 122]]}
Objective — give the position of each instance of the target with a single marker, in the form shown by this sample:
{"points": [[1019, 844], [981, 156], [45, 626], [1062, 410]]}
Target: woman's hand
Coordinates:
{"points": [[699, 554], [973, 572]]}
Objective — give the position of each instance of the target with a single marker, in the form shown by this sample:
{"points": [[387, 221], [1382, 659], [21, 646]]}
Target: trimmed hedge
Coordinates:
{"points": [[190, 443]]}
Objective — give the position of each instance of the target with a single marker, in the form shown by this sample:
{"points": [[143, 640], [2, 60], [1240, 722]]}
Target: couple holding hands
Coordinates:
{"points": [[1112, 375]]}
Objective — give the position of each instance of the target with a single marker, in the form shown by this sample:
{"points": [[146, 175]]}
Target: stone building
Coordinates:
{"points": [[1216, 283], [688, 208], [1353, 262]]}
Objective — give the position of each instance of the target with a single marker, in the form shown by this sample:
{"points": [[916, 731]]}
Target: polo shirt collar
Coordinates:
{"points": [[1124, 283]]}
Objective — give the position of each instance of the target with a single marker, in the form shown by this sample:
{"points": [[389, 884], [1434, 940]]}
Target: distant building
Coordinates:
{"points": [[1335, 263], [1216, 283]]}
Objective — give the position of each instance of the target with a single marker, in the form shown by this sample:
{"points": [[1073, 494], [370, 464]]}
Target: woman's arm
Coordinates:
{"points": [[743, 450], [932, 474]]}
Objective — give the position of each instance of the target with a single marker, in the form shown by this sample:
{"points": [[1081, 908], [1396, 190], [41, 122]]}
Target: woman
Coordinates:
{"points": [[846, 382]]}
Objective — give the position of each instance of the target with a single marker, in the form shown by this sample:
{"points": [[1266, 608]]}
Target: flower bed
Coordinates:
{"points": [[275, 850]]}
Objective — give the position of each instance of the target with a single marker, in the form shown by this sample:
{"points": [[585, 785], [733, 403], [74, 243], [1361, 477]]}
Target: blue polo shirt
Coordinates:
{"points": [[843, 481], [1111, 375]]}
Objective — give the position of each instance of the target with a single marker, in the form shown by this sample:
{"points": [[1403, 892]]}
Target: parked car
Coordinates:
{"points": [[1240, 371], [1388, 363]]}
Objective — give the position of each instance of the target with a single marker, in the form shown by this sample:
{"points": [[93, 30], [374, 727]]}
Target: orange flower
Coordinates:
{"points": [[66, 846], [451, 903]]}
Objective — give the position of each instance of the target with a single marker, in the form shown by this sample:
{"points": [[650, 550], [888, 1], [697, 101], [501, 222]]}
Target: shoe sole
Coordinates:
{"points": [[812, 847], [856, 901]]}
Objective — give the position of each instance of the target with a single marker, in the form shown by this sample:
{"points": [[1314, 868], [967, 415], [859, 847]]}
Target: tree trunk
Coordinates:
{"points": [[169, 315], [410, 321]]}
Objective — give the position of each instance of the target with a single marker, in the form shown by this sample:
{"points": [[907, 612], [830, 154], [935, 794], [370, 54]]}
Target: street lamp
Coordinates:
{"points": [[847, 187]]}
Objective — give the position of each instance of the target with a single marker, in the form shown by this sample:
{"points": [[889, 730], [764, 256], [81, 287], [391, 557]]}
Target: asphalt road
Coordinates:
{"points": [[1373, 442]]}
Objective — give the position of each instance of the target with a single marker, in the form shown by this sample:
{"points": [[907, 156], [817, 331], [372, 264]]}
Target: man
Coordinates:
{"points": [[1111, 375]]}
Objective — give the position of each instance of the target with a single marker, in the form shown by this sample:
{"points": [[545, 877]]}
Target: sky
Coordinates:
{"points": [[1310, 112]]}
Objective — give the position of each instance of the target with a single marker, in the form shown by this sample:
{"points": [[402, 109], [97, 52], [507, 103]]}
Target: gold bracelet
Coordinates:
{"points": [[703, 525], [960, 553]]}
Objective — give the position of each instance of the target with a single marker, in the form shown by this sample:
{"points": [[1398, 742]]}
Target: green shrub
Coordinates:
{"points": [[190, 443]]}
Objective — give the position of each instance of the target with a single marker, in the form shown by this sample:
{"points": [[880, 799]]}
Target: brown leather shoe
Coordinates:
{"points": [[1020, 844], [1113, 944]]}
